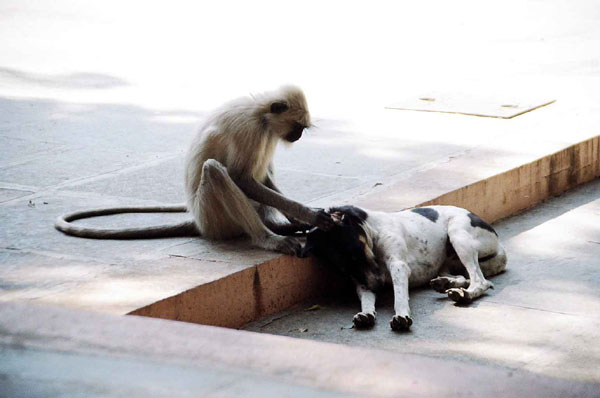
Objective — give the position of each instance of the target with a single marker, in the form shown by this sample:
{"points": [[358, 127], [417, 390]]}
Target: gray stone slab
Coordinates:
{"points": [[30, 226], [48, 170], [31, 276], [557, 255], [50, 142], [40, 264], [543, 315], [98, 284], [234, 251], [97, 126], [306, 187], [36, 373], [9, 194], [162, 182], [345, 150], [15, 150], [48, 350]]}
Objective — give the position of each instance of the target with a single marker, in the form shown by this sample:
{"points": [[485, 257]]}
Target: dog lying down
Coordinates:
{"points": [[439, 245]]}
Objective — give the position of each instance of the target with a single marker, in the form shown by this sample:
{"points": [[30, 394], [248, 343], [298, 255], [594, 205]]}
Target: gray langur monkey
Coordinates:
{"points": [[229, 179]]}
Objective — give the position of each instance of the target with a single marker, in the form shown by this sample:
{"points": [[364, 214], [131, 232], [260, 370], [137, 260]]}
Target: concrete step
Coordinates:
{"points": [[50, 351], [279, 283]]}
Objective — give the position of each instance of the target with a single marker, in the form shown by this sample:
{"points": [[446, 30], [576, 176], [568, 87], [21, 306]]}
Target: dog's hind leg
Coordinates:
{"points": [[446, 281], [400, 273], [365, 318], [495, 265], [466, 249], [450, 274]]}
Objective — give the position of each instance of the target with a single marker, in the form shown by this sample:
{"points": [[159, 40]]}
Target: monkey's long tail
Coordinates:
{"points": [[186, 228]]}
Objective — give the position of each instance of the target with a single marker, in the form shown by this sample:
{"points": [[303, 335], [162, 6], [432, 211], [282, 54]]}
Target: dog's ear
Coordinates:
{"points": [[307, 250], [313, 238]]}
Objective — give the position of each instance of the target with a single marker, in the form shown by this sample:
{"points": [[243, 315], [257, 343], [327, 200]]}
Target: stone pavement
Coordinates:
{"points": [[98, 103], [79, 132], [543, 315], [55, 352]]}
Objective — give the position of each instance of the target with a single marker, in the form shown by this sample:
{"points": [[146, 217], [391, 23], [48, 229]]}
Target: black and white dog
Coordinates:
{"points": [[439, 245]]}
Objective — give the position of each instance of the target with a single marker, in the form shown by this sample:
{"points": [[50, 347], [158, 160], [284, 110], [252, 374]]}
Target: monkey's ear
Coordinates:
{"points": [[279, 107]]}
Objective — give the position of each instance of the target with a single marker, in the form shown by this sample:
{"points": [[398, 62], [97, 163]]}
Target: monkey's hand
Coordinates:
{"points": [[260, 193], [321, 219]]}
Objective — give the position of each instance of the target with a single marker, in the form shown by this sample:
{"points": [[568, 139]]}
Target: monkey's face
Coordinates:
{"points": [[295, 132], [288, 116]]}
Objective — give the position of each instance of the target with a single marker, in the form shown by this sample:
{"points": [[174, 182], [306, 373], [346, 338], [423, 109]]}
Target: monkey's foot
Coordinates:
{"points": [[364, 320], [288, 245], [400, 323]]}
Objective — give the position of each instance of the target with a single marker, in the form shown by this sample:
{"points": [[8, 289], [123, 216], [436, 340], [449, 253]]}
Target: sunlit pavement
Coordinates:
{"points": [[98, 102], [350, 58]]}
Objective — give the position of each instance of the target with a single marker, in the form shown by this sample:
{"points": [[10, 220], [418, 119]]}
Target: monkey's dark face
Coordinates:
{"points": [[295, 132], [288, 116]]}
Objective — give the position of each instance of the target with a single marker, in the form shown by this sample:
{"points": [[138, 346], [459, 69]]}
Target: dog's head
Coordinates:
{"points": [[348, 246]]}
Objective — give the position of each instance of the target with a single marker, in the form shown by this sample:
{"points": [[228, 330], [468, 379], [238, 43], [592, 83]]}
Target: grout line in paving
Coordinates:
{"points": [[116, 172], [56, 255], [318, 174], [211, 260], [525, 307], [18, 187], [364, 188], [38, 192]]}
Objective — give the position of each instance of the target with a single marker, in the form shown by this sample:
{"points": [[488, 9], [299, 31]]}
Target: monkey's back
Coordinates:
{"points": [[234, 136]]}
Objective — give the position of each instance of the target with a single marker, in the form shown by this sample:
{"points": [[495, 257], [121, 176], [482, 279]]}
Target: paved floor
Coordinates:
{"points": [[99, 101], [350, 58], [49, 351], [543, 316], [92, 115]]}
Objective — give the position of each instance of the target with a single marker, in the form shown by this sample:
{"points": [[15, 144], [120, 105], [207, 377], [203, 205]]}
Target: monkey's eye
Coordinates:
{"points": [[298, 126], [279, 107]]}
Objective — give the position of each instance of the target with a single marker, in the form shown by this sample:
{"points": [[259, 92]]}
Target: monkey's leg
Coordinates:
{"points": [[224, 209]]}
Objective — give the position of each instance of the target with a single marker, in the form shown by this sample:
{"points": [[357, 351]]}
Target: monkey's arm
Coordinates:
{"points": [[269, 183], [265, 195], [295, 224]]}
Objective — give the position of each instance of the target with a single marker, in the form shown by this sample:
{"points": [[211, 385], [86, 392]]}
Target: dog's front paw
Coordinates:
{"points": [[459, 295], [400, 323], [364, 320]]}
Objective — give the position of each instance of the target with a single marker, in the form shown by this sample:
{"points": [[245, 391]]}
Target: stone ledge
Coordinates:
{"points": [[244, 296], [278, 284]]}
